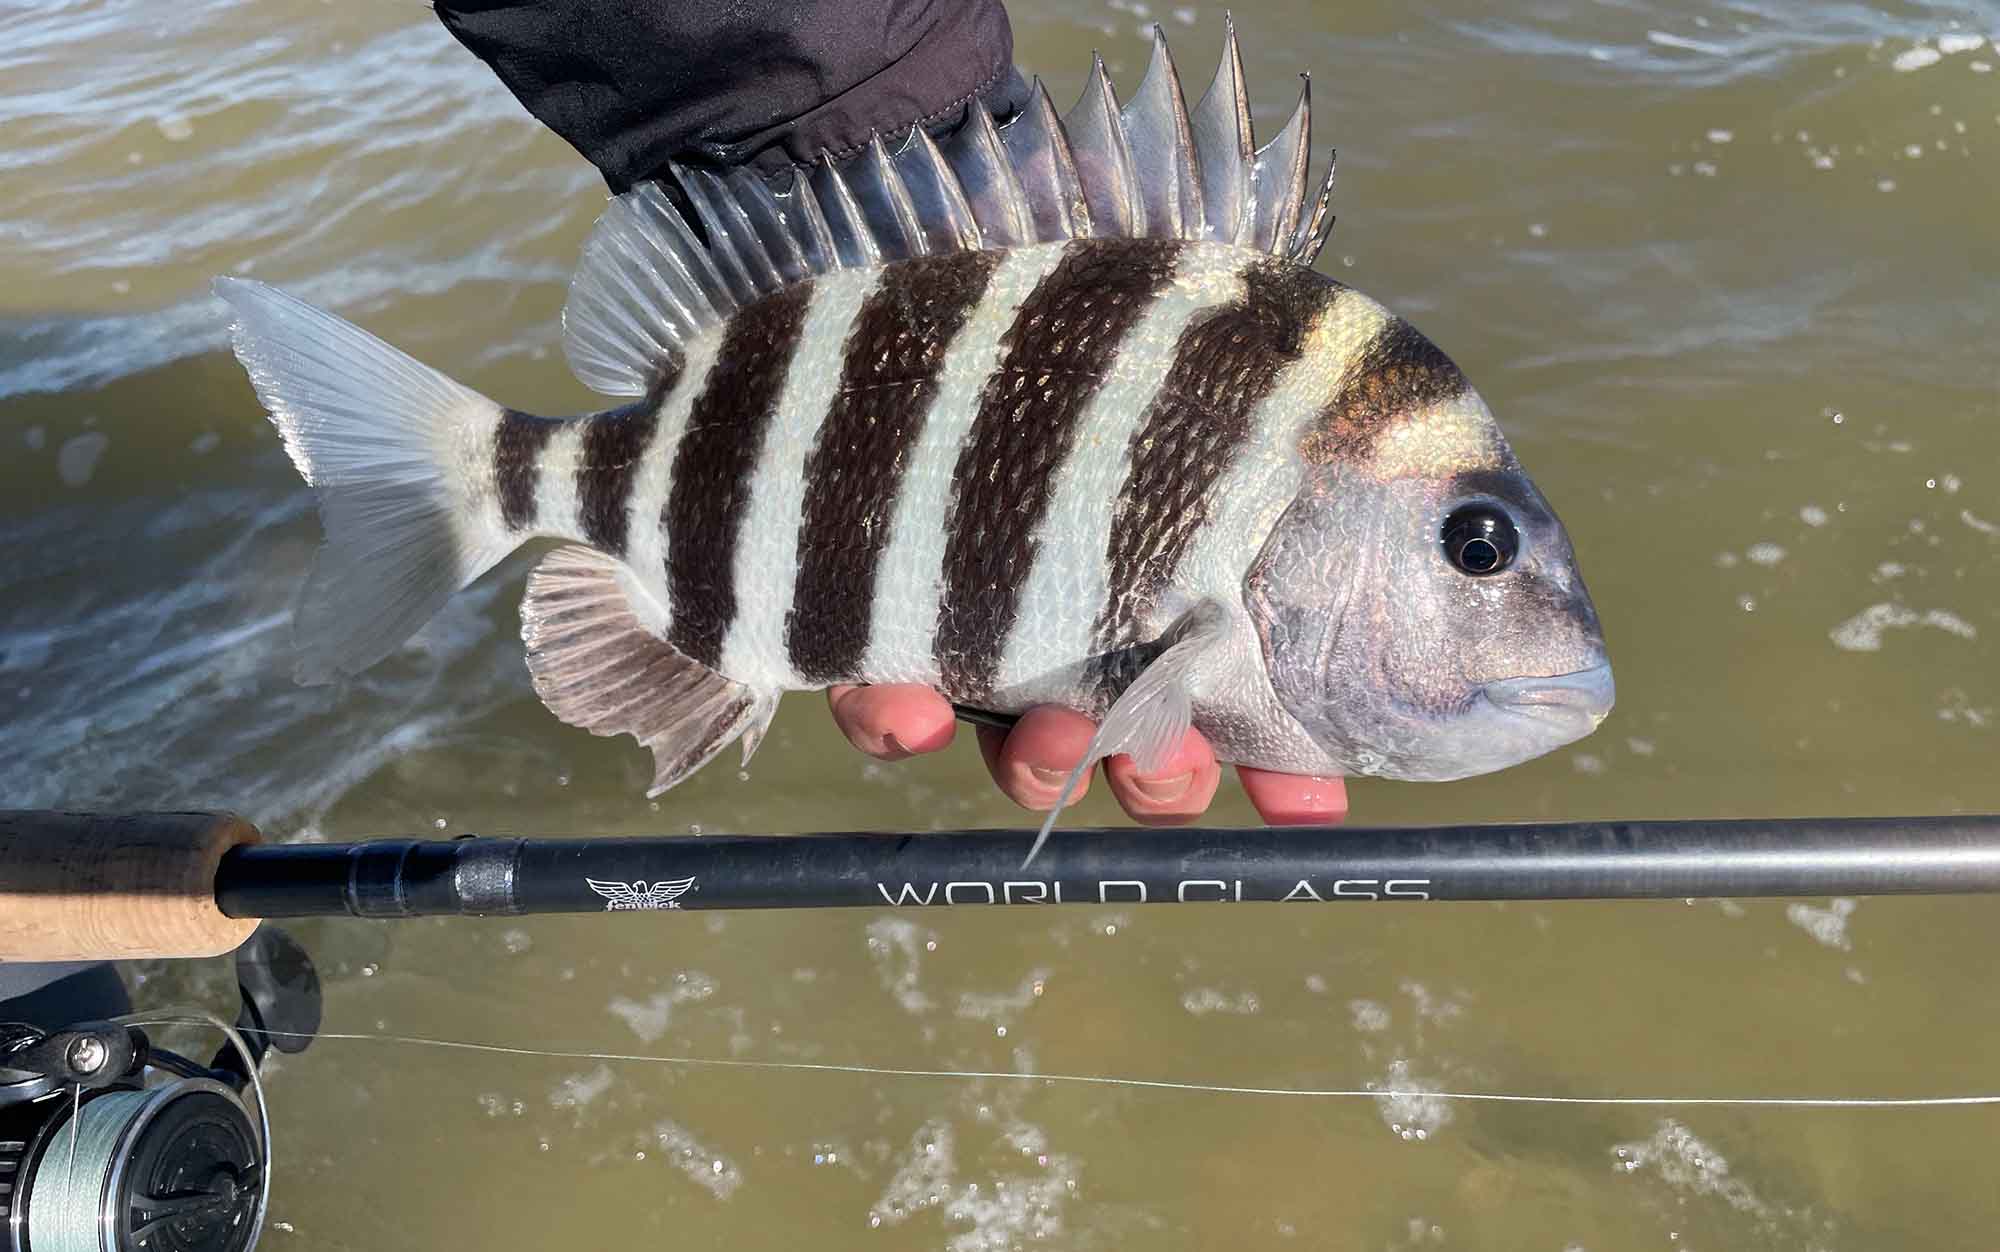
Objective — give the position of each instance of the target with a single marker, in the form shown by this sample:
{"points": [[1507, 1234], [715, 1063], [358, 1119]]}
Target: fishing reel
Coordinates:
{"points": [[111, 1143]]}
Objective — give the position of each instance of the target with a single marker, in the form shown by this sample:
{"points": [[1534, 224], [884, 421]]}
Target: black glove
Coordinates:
{"points": [[769, 84]]}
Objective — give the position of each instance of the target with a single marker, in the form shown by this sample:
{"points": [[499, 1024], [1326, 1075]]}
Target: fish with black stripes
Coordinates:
{"points": [[1055, 412]]}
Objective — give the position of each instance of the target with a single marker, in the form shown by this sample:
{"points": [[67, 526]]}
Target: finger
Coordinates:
{"points": [[1177, 792], [1031, 762], [892, 722], [1295, 799]]}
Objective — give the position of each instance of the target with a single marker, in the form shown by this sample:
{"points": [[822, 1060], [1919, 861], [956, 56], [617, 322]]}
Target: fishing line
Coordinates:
{"points": [[1162, 1084]]}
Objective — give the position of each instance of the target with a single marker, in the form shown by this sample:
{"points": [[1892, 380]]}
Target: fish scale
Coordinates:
{"points": [[1050, 413]]}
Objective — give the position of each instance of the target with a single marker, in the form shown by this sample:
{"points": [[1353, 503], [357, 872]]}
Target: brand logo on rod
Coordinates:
{"points": [[640, 894]]}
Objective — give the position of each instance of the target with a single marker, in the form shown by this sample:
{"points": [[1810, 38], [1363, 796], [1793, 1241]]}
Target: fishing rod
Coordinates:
{"points": [[78, 886]]}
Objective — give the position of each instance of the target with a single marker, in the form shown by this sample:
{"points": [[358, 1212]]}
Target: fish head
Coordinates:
{"points": [[1419, 604]]}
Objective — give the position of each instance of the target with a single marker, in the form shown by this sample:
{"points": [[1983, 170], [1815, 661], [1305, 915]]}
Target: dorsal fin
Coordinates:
{"points": [[647, 284]]}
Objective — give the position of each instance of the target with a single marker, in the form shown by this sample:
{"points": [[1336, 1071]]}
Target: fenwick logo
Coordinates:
{"points": [[640, 895], [1136, 891]]}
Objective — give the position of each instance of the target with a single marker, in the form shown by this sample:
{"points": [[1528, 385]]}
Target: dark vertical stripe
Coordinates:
{"points": [[1053, 358], [517, 458], [1226, 362], [712, 467], [1399, 374], [613, 445], [888, 378]]}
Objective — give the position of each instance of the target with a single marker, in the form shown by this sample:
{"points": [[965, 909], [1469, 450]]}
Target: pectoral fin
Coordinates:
{"points": [[599, 662], [1149, 719]]}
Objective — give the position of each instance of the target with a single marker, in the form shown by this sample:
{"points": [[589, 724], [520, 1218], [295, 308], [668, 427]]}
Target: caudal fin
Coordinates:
{"points": [[377, 434]]}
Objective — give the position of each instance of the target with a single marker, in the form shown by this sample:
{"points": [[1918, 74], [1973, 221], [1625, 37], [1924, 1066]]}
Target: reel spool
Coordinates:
{"points": [[177, 1167], [110, 1144]]}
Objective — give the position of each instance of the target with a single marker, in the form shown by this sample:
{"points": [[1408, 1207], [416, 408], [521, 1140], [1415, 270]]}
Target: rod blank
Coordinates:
{"points": [[1584, 860]]}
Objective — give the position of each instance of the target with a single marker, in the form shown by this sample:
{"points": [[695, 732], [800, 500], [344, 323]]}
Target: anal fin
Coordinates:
{"points": [[599, 662]]}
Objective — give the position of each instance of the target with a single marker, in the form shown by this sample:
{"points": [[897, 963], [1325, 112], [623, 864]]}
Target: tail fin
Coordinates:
{"points": [[376, 434]]}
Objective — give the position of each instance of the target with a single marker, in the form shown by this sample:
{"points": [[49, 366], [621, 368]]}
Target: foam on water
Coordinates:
{"points": [[701, 1165], [1827, 926], [649, 1018], [1865, 630]]}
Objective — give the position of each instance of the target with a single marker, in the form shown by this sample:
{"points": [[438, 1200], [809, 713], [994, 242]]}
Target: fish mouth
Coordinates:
{"points": [[1572, 704]]}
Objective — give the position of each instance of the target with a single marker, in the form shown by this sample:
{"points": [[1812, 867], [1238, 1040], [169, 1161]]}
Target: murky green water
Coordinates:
{"points": [[1728, 274]]}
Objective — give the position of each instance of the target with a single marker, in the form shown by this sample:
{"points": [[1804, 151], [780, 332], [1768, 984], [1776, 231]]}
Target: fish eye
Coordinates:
{"points": [[1480, 539]]}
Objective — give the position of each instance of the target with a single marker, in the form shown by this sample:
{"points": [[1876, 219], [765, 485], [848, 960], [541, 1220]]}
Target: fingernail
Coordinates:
{"points": [[893, 749], [1164, 790], [1048, 777]]}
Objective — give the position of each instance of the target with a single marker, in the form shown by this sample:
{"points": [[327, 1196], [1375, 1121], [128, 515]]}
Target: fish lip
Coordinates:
{"points": [[1576, 702]]}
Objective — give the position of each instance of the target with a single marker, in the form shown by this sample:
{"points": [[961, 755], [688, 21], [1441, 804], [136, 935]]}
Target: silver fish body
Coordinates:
{"points": [[1059, 414]]}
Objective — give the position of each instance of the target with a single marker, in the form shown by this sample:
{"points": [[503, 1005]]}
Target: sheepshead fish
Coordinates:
{"points": [[1054, 413]]}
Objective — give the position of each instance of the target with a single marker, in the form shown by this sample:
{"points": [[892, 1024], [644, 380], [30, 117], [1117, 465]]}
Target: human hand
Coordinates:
{"points": [[1030, 762]]}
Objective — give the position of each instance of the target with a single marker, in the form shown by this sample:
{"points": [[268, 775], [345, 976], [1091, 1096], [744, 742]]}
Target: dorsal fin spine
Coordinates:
{"points": [[704, 191], [1224, 142], [858, 248], [991, 185], [767, 221], [1104, 158], [1040, 151], [1161, 140], [953, 208], [817, 250], [1279, 178], [897, 209], [1318, 226]]}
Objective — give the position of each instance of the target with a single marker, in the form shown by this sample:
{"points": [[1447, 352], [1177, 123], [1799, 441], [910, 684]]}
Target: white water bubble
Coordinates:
{"points": [[1813, 515], [1369, 1015], [1205, 1000], [174, 128], [77, 459], [1915, 59], [1827, 926], [1765, 554], [1951, 45], [1864, 631], [577, 1090], [1719, 136]]}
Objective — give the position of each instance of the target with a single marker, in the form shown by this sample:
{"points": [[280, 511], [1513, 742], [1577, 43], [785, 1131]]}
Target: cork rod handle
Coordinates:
{"points": [[90, 886]]}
